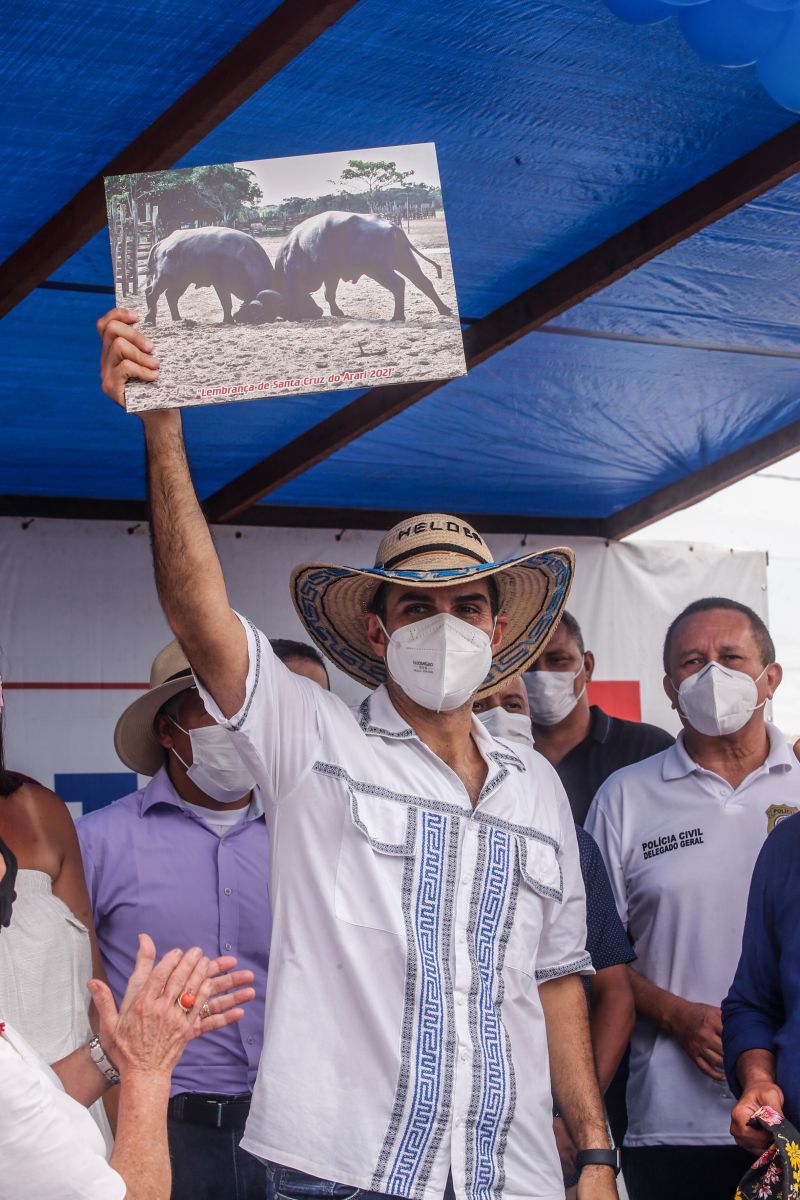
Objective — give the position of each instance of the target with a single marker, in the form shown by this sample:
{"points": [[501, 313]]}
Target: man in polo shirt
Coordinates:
{"points": [[584, 744], [187, 858], [680, 833], [429, 918]]}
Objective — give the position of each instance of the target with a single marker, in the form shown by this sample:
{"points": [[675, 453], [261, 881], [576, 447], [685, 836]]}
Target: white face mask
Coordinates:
{"points": [[216, 767], [439, 662], [717, 700], [511, 726], [551, 695]]}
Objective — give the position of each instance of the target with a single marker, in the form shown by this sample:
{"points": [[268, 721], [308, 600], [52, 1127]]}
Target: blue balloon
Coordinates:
{"points": [[779, 71], [639, 12], [731, 33]]}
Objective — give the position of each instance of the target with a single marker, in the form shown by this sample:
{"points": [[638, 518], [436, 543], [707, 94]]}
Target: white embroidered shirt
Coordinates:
{"points": [[404, 1033]]}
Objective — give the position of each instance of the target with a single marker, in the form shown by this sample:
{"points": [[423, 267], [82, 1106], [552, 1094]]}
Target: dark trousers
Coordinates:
{"points": [[296, 1185], [688, 1172], [208, 1164]]}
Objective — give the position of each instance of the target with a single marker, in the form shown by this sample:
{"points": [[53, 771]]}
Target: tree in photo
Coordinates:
{"points": [[226, 191], [371, 179]]}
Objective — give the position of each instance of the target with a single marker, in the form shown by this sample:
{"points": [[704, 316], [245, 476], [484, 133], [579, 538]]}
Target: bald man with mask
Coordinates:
{"points": [[680, 833]]}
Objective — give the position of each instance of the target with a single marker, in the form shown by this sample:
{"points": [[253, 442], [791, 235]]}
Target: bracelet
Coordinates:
{"points": [[599, 1158], [102, 1061]]}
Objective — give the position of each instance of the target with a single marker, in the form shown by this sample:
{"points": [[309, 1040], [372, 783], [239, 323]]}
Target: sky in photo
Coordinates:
{"points": [[310, 174]]}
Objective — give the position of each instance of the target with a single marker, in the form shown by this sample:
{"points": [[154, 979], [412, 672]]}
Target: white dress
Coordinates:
{"points": [[45, 963], [50, 1148]]}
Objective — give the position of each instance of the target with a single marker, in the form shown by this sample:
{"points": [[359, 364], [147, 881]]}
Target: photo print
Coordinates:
{"points": [[323, 272]]}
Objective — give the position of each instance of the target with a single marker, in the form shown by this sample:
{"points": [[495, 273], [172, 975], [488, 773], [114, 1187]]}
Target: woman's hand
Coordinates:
{"points": [[150, 1030]]}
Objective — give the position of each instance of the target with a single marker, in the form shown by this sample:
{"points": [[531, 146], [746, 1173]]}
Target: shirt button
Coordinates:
{"points": [[228, 946], [464, 1056], [227, 891], [251, 1041], [459, 999]]}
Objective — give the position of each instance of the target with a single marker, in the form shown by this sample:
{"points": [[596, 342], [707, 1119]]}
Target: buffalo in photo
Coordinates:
{"points": [[343, 245], [231, 262]]}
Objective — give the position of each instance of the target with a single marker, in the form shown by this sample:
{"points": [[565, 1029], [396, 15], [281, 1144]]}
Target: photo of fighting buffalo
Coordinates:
{"points": [[274, 277]]}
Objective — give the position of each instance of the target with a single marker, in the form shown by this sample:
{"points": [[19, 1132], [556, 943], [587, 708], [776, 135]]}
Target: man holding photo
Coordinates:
{"points": [[429, 916]]}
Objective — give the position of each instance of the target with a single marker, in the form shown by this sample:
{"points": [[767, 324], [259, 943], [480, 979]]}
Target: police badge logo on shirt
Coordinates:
{"points": [[777, 813]]}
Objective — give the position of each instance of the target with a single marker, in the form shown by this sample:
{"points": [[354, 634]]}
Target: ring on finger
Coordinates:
{"points": [[205, 1011], [186, 1002]]}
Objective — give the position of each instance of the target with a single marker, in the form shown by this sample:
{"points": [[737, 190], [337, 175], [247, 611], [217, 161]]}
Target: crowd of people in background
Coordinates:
{"points": [[453, 909], [673, 831]]}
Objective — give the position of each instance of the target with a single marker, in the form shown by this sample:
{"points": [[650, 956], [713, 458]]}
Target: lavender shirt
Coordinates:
{"points": [[152, 865]]}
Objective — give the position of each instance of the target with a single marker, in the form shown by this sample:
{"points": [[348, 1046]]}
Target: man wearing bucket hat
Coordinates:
{"points": [[429, 917], [186, 857]]}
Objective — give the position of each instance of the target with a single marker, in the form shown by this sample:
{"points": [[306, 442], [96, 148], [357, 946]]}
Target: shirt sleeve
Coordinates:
{"points": [[42, 1157], [88, 855], [562, 945], [603, 824], [606, 939], [753, 1011], [279, 728]]}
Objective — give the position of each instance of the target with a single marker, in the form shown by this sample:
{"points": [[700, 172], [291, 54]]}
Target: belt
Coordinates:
{"points": [[221, 1112]]}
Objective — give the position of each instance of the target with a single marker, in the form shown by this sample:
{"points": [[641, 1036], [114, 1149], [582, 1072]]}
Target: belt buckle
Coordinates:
{"points": [[219, 1106]]}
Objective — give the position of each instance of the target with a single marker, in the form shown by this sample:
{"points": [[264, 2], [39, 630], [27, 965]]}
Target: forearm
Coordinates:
{"points": [[755, 1068], [189, 577], [654, 1002], [188, 574], [611, 1021], [572, 1072], [80, 1077], [141, 1152]]}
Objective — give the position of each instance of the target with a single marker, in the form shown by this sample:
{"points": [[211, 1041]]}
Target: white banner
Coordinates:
{"points": [[80, 625]]}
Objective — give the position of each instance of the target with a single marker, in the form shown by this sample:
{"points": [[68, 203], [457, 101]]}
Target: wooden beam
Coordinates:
{"points": [[73, 508], [734, 185], [285, 33], [705, 482], [279, 516]]}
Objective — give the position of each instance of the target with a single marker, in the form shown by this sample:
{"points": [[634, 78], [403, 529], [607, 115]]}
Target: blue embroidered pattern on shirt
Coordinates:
{"points": [[427, 1069], [407, 1034], [491, 1032]]}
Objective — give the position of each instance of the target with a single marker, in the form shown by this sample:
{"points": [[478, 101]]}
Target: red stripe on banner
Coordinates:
{"points": [[76, 687], [617, 697]]}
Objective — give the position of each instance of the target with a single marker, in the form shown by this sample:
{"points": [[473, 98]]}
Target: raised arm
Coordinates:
{"points": [[189, 577]]}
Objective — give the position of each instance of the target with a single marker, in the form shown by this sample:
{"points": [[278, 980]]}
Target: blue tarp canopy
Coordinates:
{"points": [[557, 127]]}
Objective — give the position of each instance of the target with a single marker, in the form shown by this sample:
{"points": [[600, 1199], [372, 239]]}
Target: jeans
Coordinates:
{"points": [[285, 1184], [687, 1172], [208, 1164]]}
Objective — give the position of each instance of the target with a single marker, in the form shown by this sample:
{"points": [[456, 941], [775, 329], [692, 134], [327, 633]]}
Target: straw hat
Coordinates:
{"points": [[431, 551], [134, 737]]}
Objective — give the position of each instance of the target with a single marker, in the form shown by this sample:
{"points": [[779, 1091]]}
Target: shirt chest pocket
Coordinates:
{"points": [[539, 882], [375, 856]]}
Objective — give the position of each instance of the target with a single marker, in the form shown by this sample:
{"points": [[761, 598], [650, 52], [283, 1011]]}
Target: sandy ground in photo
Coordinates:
{"points": [[366, 349]]}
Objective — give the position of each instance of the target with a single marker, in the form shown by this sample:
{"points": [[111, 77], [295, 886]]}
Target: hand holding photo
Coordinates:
{"points": [[339, 264]]}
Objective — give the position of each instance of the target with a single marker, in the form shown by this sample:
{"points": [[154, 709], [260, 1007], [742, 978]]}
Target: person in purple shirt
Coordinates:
{"points": [[187, 858]]}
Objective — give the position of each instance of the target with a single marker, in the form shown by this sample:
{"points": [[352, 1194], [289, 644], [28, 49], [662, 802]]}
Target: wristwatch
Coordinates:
{"points": [[599, 1158], [101, 1061]]}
